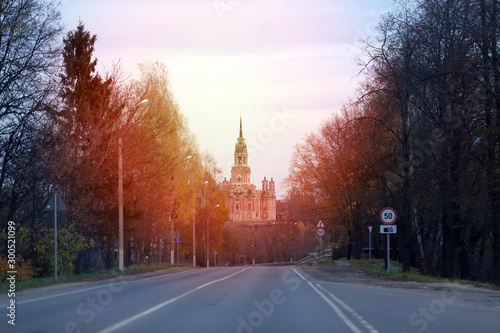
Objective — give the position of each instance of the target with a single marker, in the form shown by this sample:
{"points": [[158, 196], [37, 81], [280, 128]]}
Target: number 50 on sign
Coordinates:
{"points": [[388, 215]]}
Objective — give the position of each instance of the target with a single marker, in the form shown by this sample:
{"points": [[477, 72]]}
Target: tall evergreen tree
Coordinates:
{"points": [[88, 126]]}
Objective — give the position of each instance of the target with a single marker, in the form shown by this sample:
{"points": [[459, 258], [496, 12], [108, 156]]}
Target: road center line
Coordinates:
{"points": [[161, 305], [335, 308]]}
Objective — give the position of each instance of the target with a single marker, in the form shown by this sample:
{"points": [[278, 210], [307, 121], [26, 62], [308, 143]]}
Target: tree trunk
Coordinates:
{"points": [[404, 222], [420, 244]]}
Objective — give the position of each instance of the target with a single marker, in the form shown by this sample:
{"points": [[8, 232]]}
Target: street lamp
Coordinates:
{"points": [[120, 195], [253, 245], [141, 103], [194, 229], [205, 202], [205, 193], [194, 225], [172, 256], [208, 239]]}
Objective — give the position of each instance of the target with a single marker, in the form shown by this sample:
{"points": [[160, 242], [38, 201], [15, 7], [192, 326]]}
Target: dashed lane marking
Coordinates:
{"points": [[161, 305]]}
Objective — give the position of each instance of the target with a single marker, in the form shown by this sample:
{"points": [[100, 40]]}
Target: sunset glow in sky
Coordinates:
{"points": [[284, 64]]}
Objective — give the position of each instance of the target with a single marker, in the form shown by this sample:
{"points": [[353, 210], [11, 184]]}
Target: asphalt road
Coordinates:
{"points": [[245, 300]]}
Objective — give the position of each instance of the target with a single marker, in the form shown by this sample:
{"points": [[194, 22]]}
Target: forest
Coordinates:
{"points": [[66, 128], [421, 135]]}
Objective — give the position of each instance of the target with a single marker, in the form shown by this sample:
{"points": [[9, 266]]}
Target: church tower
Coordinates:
{"points": [[246, 203], [240, 172]]}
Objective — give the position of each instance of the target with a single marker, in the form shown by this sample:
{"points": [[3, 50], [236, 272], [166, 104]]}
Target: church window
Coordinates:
{"points": [[239, 179]]}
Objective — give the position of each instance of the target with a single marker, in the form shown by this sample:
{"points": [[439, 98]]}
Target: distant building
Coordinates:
{"points": [[246, 203]]}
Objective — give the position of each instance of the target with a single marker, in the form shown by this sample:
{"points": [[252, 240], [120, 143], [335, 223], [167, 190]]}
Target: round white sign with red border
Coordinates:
{"points": [[388, 215], [320, 232]]}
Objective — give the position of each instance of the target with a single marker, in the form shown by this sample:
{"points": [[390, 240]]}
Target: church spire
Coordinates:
{"points": [[241, 129], [240, 150]]}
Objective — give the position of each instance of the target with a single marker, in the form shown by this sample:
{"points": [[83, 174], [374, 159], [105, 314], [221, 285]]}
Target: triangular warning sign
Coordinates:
{"points": [[51, 204], [320, 224]]}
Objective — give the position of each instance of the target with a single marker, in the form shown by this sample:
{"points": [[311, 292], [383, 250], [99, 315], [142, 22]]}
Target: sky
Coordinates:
{"points": [[283, 65]]}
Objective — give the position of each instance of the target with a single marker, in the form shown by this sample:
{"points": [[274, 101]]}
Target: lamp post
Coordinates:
{"points": [[208, 239], [194, 230], [194, 218], [253, 245], [120, 205], [205, 205], [171, 218], [120, 195]]}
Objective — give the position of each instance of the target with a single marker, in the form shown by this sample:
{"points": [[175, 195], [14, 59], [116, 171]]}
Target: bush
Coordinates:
{"points": [[24, 270], [69, 244]]}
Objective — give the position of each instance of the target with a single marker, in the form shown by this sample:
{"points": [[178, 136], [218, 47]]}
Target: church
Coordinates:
{"points": [[246, 203]]}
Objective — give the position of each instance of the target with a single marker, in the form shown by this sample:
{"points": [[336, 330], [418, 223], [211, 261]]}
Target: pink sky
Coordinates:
{"points": [[285, 64]]}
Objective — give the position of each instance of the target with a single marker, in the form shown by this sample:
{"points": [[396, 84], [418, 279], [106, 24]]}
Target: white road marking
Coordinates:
{"points": [[335, 308], [325, 293], [351, 310], [161, 305], [90, 288]]}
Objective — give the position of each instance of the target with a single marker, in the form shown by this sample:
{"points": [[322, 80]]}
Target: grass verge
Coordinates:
{"points": [[377, 269], [84, 277], [321, 262]]}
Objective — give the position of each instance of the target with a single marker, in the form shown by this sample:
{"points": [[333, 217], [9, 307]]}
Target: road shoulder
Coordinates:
{"points": [[84, 284], [343, 273]]}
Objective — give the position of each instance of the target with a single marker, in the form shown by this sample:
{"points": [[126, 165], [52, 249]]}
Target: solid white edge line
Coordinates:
{"points": [[335, 308], [103, 285], [125, 322]]}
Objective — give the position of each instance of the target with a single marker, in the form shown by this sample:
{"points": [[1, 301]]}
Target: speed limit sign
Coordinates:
{"points": [[320, 232], [388, 215]]}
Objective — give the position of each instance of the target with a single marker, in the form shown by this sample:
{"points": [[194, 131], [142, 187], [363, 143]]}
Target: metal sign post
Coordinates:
{"points": [[370, 242], [321, 245], [55, 235], [388, 256], [320, 232], [177, 239], [55, 203], [388, 216]]}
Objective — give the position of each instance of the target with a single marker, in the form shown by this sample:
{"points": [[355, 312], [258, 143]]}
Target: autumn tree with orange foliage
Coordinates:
{"points": [[93, 116], [422, 136], [336, 173]]}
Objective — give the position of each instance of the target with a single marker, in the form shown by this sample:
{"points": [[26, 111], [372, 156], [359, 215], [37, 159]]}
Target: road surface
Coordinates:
{"points": [[245, 300]]}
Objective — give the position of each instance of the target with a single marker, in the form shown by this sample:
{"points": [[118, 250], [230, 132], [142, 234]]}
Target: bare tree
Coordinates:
{"points": [[29, 54]]}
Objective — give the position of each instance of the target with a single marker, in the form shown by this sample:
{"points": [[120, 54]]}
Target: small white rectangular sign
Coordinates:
{"points": [[388, 229]]}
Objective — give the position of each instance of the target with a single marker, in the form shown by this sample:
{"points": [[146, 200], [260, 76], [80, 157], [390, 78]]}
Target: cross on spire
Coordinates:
{"points": [[241, 129]]}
